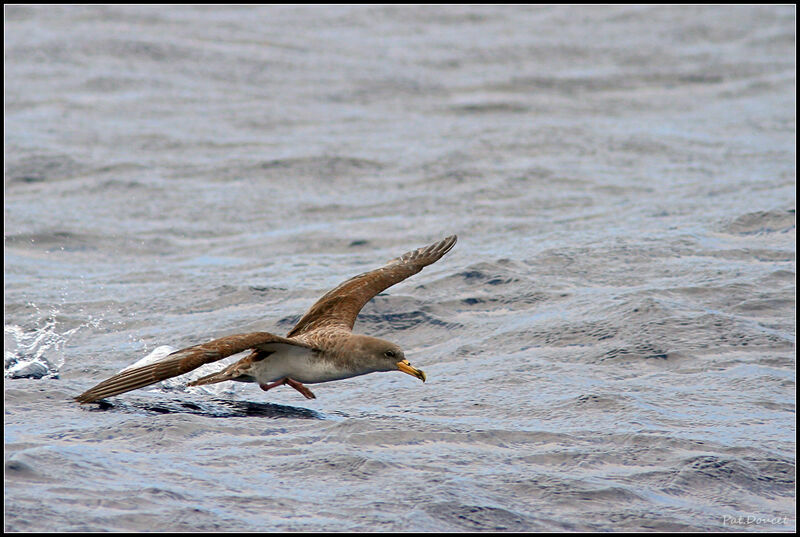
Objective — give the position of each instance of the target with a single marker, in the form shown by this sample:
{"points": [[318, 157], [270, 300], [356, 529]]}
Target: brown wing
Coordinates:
{"points": [[340, 306], [180, 362]]}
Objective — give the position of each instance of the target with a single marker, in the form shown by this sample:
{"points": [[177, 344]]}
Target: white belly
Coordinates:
{"points": [[297, 363]]}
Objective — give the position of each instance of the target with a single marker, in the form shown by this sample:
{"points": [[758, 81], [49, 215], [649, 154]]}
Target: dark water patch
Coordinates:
{"points": [[774, 221], [640, 309], [404, 321], [642, 350], [225, 296], [562, 85], [160, 494], [312, 175], [493, 438], [655, 328], [211, 409], [719, 476], [488, 300], [497, 274], [558, 490], [106, 84], [781, 275], [343, 465], [18, 470], [287, 323], [327, 167], [595, 400], [666, 79], [565, 334], [765, 306], [371, 91], [265, 291], [86, 243], [122, 168], [481, 518], [776, 477], [436, 15], [130, 48], [713, 332], [42, 168], [450, 162], [63, 240], [664, 522], [712, 296], [454, 178], [489, 108], [762, 255], [122, 187]]}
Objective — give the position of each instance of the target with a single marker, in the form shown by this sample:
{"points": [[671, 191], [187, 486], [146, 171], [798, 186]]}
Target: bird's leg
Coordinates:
{"points": [[300, 388], [271, 385], [293, 383]]}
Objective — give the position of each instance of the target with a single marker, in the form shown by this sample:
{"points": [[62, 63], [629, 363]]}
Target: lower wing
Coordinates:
{"points": [[180, 362]]}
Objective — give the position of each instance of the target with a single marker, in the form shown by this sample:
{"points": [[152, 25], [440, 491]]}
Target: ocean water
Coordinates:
{"points": [[610, 346]]}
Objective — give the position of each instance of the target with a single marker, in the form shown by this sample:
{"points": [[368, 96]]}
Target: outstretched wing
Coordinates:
{"points": [[180, 362], [340, 306]]}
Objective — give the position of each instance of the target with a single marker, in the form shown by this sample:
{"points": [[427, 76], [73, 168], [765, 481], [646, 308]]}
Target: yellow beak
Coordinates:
{"points": [[406, 367]]}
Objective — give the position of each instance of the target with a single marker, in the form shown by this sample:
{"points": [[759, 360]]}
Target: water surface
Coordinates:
{"points": [[610, 346]]}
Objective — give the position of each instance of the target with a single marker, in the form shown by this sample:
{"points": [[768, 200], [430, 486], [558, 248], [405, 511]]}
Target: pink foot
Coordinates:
{"points": [[271, 385], [300, 388], [293, 383]]}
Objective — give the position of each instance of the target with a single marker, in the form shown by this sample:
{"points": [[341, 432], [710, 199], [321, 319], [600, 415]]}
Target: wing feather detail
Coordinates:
{"points": [[339, 307], [180, 362]]}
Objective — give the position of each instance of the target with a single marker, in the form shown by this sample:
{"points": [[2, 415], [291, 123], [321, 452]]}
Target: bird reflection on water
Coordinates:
{"points": [[213, 409]]}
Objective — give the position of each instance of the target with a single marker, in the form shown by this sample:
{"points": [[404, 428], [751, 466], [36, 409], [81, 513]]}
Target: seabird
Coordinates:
{"points": [[320, 348]]}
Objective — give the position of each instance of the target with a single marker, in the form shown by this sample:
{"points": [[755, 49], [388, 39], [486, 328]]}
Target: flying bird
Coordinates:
{"points": [[320, 348]]}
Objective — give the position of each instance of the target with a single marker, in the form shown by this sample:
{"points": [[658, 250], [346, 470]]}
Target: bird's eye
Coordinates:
{"points": [[389, 354]]}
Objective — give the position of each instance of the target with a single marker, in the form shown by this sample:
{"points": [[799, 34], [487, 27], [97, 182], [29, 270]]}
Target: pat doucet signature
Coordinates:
{"points": [[747, 520]]}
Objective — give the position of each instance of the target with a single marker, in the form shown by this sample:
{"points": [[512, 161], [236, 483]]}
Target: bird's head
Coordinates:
{"points": [[386, 356]]}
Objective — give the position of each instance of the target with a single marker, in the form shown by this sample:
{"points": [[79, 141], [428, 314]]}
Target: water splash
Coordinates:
{"points": [[178, 384], [36, 353]]}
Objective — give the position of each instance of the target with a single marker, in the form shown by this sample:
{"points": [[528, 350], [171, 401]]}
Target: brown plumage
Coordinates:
{"points": [[320, 348]]}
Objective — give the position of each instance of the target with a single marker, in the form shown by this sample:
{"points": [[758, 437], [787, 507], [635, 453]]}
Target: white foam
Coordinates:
{"points": [[179, 383], [36, 353]]}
